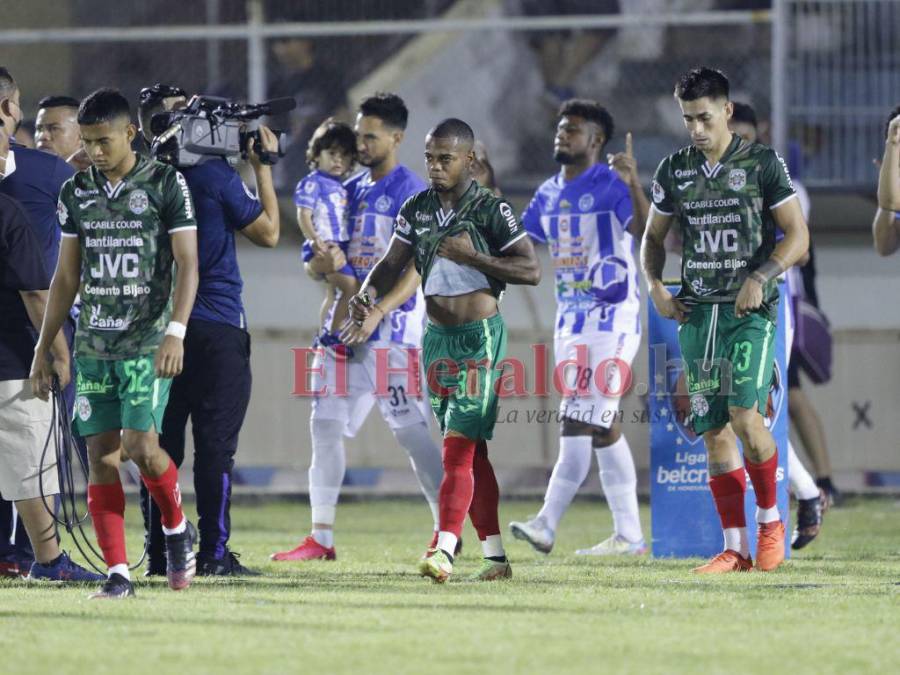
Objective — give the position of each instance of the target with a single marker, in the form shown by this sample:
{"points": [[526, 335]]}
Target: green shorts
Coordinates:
{"points": [[729, 362], [460, 368], [118, 394]]}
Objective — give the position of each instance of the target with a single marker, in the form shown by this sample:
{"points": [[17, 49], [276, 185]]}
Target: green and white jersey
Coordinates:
{"points": [[423, 224], [724, 213], [124, 234]]}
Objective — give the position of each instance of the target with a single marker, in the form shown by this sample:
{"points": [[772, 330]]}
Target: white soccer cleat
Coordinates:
{"points": [[535, 532], [615, 545]]}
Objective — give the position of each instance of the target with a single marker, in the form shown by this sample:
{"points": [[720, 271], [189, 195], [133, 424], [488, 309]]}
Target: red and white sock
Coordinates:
{"points": [[762, 476], [728, 493], [106, 504], [456, 491], [486, 503], [165, 492]]}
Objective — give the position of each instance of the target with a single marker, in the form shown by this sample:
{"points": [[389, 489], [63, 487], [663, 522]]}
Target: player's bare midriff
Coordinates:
{"points": [[459, 309]]}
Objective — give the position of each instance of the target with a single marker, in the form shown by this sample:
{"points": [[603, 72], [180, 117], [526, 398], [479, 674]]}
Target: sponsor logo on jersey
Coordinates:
{"points": [[186, 193], [787, 173], [420, 231], [383, 203], [98, 322], [309, 188], [684, 186], [564, 205], [86, 193], [685, 173], [737, 179], [586, 201], [138, 202], [62, 213], [248, 192], [423, 216], [657, 192], [83, 406], [87, 204], [507, 213]]}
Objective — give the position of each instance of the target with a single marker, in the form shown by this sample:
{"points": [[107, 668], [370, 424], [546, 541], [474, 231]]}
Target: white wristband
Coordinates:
{"points": [[176, 329]]}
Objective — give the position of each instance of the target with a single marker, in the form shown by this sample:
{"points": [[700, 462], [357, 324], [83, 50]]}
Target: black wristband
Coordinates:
{"points": [[767, 271]]}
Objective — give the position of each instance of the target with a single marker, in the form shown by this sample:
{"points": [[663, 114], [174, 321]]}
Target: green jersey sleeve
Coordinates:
{"points": [[503, 227], [403, 228], [661, 188], [777, 186], [64, 207], [177, 208]]}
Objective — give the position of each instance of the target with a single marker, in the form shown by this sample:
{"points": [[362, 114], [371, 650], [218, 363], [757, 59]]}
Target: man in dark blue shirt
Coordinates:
{"points": [[33, 178], [213, 389]]}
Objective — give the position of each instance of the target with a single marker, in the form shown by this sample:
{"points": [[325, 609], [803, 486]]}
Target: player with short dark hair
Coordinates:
{"points": [[589, 214], [467, 244], [727, 197], [394, 326], [56, 130], [126, 222]]}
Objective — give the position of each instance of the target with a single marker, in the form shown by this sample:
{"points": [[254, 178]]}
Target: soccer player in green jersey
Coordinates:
{"points": [[726, 197], [467, 244], [124, 221]]}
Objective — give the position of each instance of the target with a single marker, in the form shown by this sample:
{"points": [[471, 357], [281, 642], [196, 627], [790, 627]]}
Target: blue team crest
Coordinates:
{"points": [[383, 203], [586, 201]]}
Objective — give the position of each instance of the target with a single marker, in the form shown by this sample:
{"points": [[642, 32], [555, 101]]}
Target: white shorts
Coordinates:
{"points": [[351, 402], [25, 422], [597, 387]]}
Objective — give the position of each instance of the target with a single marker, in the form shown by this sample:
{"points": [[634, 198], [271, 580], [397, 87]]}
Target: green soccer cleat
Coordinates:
{"points": [[491, 570], [437, 566]]}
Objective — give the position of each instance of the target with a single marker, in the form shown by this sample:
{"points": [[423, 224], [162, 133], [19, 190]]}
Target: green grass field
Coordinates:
{"points": [[835, 608]]}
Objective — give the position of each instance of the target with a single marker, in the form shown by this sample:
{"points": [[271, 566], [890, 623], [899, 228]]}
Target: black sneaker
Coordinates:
{"points": [[227, 566], [181, 564], [809, 520], [116, 587]]}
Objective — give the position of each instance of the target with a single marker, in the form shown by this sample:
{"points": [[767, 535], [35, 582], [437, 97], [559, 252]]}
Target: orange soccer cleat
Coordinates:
{"points": [[769, 545], [309, 549], [726, 561]]}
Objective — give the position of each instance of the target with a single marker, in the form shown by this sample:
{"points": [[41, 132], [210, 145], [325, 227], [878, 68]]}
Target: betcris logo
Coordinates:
{"points": [[687, 472]]}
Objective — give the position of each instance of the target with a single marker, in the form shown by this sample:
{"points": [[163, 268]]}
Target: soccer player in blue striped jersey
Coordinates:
{"points": [[395, 324], [590, 214], [321, 212]]}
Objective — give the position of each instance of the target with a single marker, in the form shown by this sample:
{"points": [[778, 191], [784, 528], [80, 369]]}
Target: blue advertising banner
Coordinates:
{"points": [[684, 518]]}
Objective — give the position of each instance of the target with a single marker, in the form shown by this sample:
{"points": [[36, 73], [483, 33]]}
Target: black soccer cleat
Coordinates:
{"points": [[181, 564], [156, 565], [228, 565], [809, 520], [116, 587]]}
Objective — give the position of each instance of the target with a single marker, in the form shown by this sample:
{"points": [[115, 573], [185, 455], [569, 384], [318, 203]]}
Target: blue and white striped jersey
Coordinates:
{"points": [[324, 195], [584, 223], [371, 208]]}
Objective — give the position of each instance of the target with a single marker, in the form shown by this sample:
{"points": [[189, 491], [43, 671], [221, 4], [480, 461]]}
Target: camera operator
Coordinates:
{"points": [[214, 387]]}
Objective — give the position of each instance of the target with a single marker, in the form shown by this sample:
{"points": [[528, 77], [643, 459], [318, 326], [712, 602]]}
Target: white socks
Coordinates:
{"points": [[326, 474], [493, 547], [122, 569], [447, 542], [736, 540], [767, 515], [571, 469], [802, 484], [425, 458], [619, 480], [178, 529]]}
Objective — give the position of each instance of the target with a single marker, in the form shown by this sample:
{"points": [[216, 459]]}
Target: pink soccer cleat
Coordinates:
{"points": [[309, 549]]}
